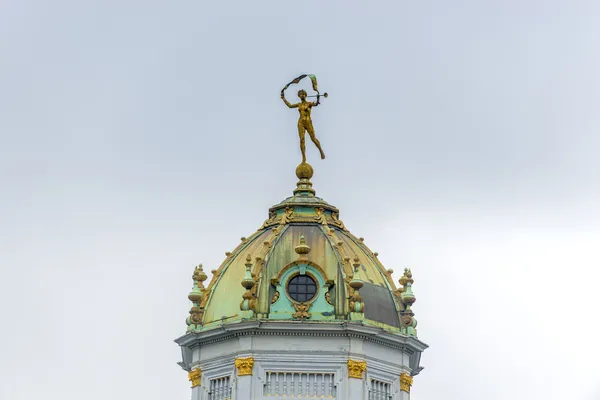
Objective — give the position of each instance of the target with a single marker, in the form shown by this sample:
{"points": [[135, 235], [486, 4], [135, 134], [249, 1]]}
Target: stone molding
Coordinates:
{"points": [[407, 344], [305, 328]]}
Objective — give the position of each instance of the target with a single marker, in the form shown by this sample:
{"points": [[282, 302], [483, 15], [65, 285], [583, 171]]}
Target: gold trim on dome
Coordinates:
{"points": [[356, 368], [194, 377], [244, 366], [406, 382]]}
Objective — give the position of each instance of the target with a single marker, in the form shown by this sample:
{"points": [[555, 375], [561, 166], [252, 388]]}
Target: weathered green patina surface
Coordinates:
{"points": [[305, 223]]}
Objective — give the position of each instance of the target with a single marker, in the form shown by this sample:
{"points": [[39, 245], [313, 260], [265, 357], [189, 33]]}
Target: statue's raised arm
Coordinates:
{"points": [[287, 103]]}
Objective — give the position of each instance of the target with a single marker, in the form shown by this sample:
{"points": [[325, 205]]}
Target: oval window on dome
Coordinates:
{"points": [[302, 288]]}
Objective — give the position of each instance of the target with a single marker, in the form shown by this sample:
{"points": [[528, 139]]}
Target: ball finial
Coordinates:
{"points": [[304, 171]]}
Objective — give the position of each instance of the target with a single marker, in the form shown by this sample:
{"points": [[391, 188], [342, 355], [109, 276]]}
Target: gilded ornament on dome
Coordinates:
{"points": [[196, 314], [301, 311], [287, 216], [275, 297], [336, 221], [328, 298], [321, 217]]}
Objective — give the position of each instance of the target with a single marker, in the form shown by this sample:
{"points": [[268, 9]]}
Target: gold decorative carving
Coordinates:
{"points": [[275, 297], [336, 221], [328, 298], [356, 368], [301, 311], [196, 314], [244, 366], [321, 217], [194, 377], [406, 382], [287, 216]]}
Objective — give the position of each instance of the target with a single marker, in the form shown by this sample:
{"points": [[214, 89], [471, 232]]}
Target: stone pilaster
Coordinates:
{"points": [[244, 368], [356, 379], [195, 378], [405, 383]]}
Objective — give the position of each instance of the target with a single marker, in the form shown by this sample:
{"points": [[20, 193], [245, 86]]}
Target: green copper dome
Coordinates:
{"points": [[302, 264]]}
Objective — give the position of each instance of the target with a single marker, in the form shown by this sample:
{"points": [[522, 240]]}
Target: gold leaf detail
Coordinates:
{"points": [[406, 382], [356, 368], [194, 377], [244, 366]]}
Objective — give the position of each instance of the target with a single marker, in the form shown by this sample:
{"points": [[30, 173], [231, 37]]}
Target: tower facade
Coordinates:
{"points": [[301, 309]]}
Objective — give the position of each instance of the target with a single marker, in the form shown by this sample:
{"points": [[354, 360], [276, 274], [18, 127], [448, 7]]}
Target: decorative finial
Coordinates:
{"points": [[302, 249], [196, 312], [408, 322], [357, 307], [248, 303], [304, 108]]}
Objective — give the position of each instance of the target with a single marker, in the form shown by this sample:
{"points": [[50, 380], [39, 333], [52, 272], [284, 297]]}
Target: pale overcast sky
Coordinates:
{"points": [[140, 138]]}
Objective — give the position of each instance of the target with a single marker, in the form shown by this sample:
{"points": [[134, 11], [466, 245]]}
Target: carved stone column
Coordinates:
{"points": [[356, 379], [244, 367], [405, 383], [195, 377]]}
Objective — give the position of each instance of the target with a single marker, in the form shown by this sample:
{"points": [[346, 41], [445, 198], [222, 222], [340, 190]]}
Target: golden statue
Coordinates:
{"points": [[304, 108]]}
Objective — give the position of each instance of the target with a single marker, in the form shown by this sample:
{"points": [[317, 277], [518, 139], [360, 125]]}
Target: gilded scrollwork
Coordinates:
{"points": [[275, 297], [301, 311]]}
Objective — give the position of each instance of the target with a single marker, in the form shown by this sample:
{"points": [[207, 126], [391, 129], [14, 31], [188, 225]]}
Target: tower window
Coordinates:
{"points": [[302, 288]]}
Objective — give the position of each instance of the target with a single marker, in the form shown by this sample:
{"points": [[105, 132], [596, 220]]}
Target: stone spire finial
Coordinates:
{"points": [[196, 312], [356, 304], [302, 249], [247, 304], [408, 322]]}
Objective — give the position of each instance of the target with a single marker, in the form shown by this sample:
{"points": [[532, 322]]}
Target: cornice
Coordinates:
{"points": [[302, 329]]}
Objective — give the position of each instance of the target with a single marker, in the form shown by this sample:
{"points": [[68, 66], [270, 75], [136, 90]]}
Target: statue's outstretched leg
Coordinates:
{"points": [[302, 142], [311, 132]]}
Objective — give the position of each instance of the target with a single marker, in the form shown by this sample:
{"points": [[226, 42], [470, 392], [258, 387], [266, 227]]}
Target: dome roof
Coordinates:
{"points": [[303, 236]]}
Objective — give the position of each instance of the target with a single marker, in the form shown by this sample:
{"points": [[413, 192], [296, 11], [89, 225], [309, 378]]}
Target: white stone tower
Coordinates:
{"points": [[301, 309]]}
